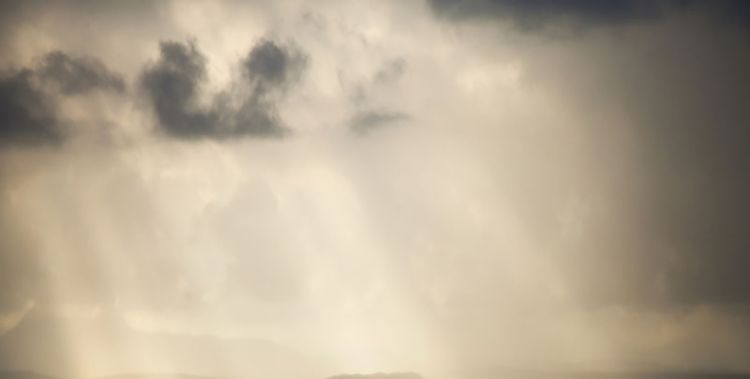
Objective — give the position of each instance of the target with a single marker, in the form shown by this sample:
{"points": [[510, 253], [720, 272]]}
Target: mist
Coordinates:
{"points": [[287, 189]]}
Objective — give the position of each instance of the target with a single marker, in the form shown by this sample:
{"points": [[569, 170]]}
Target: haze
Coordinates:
{"points": [[290, 189]]}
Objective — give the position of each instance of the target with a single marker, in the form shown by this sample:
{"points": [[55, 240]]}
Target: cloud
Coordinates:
{"points": [[662, 218], [542, 14], [271, 67], [668, 231], [27, 114], [174, 84], [367, 121], [537, 14], [269, 70], [30, 116], [29, 97], [77, 75]]}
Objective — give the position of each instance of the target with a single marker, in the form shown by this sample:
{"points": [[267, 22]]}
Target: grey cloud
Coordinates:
{"points": [[29, 117], [27, 114], [270, 69], [28, 106], [270, 66], [76, 75], [668, 230], [175, 82], [535, 14], [365, 122], [540, 14], [671, 231]]}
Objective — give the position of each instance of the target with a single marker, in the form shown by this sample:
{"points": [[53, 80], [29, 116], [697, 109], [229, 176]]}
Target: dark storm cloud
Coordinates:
{"points": [[76, 75], [27, 114], [672, 232], [688, 235], [29, 104], [173, 84], [28, 97], [270, 67], [365, 122], [269, 70], [538, 14], [175, 81]]}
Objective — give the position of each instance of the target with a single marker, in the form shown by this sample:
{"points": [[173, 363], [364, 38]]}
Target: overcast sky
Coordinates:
{"points": [[291, 189]]}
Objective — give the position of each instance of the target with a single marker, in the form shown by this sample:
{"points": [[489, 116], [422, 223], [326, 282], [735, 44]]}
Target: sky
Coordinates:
{"points": [[291, 189]]}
